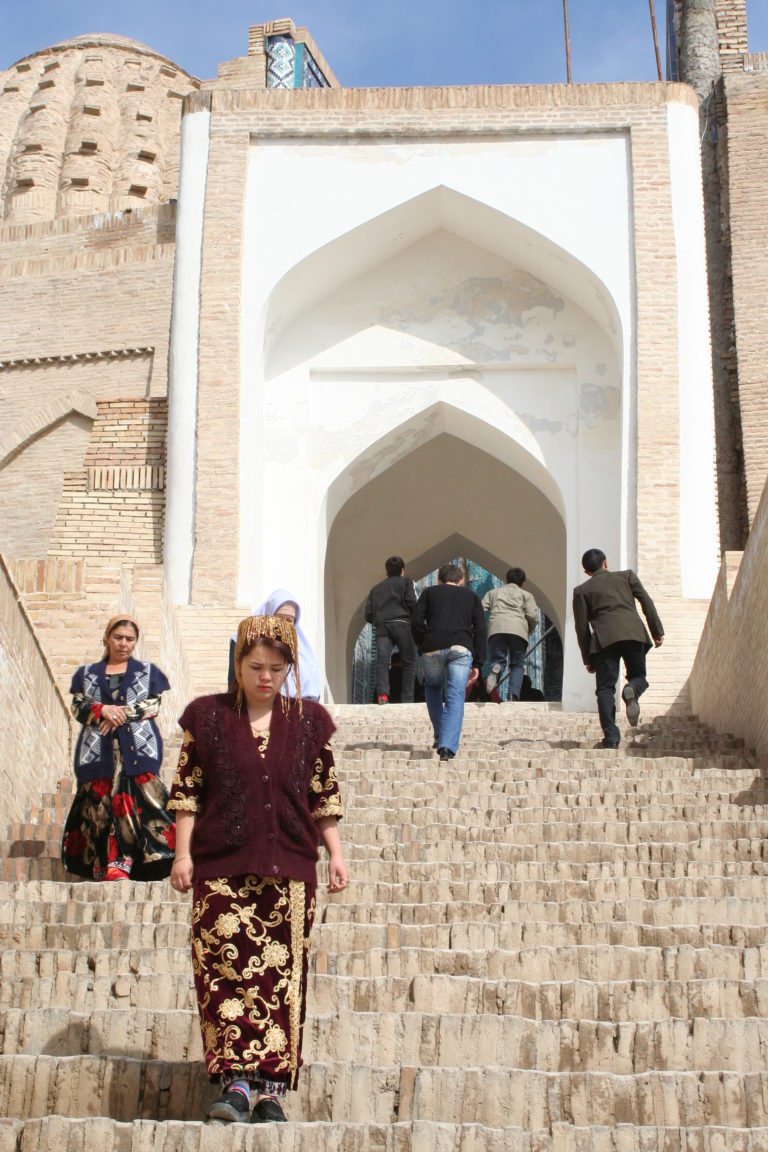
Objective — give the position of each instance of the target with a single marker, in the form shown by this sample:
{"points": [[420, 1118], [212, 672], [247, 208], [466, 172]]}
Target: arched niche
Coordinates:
{"points": [[387, 239], [444, 497]]}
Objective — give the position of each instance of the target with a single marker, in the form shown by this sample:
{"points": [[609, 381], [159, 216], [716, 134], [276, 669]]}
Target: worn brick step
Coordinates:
{"points": [[614, 1000], [75, 909], [334, 937], [499, 828], [105, 1135], [414, 1038], [469, 936], [108, 973], [503, 765], [519, 796], [719, 855], [746, 912], [498, 820], [718, 852], [125, 1089]]}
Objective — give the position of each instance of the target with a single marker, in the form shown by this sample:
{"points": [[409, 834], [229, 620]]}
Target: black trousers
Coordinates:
{"points": [[607, 663], [387, 635]]}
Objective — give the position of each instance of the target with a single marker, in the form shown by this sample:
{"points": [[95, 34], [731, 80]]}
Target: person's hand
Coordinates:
{"points": [[113, 715], [182, 874], [589, 667], [474, 676], [658, 641], [338, 876]]}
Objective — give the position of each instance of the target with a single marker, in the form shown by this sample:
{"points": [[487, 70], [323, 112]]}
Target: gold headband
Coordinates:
{"points": [[255, 628]]}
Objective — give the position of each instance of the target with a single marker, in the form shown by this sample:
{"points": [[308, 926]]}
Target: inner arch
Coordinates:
{"points": [[442, 493]]}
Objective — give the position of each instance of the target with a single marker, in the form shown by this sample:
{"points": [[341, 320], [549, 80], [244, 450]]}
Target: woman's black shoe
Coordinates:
{"points": [[268, 1111], [231, 1106]]}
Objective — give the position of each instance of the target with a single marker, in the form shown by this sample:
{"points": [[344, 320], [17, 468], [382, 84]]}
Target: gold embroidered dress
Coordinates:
{"points": [[256, 798]]}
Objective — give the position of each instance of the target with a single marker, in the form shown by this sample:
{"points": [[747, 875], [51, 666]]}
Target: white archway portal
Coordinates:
{"points": [[442, 499], [378, 363]]}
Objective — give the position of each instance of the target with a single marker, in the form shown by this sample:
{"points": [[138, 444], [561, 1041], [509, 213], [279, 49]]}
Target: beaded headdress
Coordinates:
{"points": [[266, 628]]}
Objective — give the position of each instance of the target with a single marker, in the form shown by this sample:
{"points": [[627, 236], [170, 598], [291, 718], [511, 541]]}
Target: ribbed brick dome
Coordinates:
{"points": [[89, 125]]}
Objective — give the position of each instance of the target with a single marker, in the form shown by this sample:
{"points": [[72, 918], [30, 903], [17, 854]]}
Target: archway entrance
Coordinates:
{"points": [[543, 666], [445, 498]]}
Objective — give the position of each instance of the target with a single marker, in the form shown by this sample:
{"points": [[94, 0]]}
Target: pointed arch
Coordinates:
{"points": [[26, 431], [367, 246]]}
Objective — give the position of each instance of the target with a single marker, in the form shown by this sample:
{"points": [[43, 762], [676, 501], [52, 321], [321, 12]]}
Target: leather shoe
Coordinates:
{"points": [[268, 1111], [231, 1106], [631, 704], [445, 753]]}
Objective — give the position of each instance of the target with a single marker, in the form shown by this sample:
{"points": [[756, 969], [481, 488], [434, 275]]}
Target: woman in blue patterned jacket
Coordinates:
{"points": [[118, 825]]}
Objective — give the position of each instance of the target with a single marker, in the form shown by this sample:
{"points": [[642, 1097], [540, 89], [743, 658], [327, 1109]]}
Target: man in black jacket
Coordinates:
{"points": [[610, 630], [448, 625], [389, 607]]}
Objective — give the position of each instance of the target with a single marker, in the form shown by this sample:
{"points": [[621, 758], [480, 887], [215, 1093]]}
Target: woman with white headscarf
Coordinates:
{"points": [[285, 605]]}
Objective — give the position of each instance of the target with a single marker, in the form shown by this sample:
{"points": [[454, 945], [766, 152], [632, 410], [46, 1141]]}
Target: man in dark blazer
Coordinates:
{"points": [[610, 630]]}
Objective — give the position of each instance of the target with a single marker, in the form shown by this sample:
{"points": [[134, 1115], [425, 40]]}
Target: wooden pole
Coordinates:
{"points": [[655, 40], [567, 41]]}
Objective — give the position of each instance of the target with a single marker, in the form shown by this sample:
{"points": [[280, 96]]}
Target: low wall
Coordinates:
{"points": [[35, 728], [729, 681]]}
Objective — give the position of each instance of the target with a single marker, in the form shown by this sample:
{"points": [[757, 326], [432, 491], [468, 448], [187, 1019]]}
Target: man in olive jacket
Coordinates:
{"points": [[610, 630]]}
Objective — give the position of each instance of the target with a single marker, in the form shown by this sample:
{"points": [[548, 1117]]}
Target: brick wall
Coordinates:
{"points": [[115, 506], [746, 99], [35, 732], [729, 680]]}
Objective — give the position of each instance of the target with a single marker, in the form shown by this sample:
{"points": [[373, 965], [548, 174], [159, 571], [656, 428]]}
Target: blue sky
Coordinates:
{"points": [[370, 44]]}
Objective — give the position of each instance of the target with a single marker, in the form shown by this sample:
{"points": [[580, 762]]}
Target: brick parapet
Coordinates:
{"points": [[729, 679], [36, 724], [746, 100]]}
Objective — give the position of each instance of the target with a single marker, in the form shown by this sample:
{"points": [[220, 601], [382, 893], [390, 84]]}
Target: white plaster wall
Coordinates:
{"points": [[698, 508], [358, 371], [183, 363], [445, 337]]}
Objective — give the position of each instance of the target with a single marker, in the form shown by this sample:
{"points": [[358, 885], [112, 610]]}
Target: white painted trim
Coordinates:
{"points": [[698, 507], [183, 363]]}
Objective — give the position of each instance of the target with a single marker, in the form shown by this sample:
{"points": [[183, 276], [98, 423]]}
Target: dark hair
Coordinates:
{"points": [[267, 642], [450, 574], [516, 576], [592, 560], [394, 565]]}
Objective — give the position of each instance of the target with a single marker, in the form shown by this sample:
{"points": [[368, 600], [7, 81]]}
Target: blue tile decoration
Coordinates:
{"points": [[311, 76], [291, 65], [281, 52]]}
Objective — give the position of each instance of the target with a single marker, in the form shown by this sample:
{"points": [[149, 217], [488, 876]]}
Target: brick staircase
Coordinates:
{"points": [[545, 946]]}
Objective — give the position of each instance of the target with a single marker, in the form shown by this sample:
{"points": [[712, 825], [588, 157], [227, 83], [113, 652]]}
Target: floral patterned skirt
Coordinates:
{"points": [[250, 954], [120, 824]]}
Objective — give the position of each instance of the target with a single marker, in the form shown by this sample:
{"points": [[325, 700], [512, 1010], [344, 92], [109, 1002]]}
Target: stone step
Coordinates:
{"points": [[127, 1090], [78, 906], [358, 907], [110, 973], [106, 1135], [335, 937], [412, 1038], [618, 1001], [483, 854]]}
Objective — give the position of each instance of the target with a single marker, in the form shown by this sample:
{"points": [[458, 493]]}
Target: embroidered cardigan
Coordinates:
{"points": [[139, 741], [255, 813]]}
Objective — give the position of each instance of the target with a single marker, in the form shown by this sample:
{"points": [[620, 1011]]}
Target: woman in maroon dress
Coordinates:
{"points": [[254, 794]]}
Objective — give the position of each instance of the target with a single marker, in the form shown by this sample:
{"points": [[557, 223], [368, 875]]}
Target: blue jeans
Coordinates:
{"points": [[446, 673], [501, 644]]}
